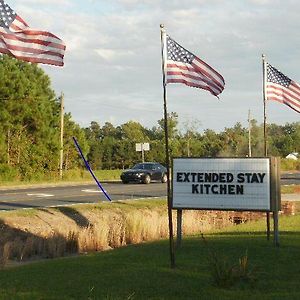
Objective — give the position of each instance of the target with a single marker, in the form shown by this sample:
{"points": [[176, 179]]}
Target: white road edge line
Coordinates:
{"points": [[91, 191], [40, 195]]}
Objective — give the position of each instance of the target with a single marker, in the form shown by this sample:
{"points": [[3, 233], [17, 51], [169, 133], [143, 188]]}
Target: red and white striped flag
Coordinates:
{"points": [[282, 89], [17, 39], [184, 67]]}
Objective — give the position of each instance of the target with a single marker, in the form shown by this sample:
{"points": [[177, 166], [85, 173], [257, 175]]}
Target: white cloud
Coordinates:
{"points": [[262, 2], [41, 3], [113, 54], [113, 61]]}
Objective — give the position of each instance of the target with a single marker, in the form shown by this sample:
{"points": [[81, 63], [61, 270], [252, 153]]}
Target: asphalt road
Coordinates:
{"points": [[29, 197], [15, 198], [290, 178]]}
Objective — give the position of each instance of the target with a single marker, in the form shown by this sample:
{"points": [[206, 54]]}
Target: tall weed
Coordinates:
{"points": [[50, 233], [226, 274]]}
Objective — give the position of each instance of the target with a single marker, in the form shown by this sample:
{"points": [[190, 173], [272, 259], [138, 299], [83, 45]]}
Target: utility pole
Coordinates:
{"points": [[61, 136], [249, 133], [188, 143]]}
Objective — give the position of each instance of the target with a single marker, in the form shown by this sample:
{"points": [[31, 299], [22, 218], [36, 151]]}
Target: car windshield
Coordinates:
{"points": [[143, 166]]}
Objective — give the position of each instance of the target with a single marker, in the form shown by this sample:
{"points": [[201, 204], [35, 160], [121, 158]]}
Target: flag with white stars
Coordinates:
{"points": [[17, 39], [184, 67], [281, 88]]}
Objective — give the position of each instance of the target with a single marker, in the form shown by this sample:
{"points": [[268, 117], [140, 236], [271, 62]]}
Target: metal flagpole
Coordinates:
{"points": [[164, 52], [264, 99], [265, 128]]}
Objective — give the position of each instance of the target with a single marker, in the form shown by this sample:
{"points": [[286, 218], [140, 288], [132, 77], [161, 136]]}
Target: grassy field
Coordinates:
{"points": [[143, 271]]}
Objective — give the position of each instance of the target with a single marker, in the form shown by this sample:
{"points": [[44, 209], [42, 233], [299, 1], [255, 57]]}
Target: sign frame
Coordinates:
{"points": [[273, 176], [142, 147]]}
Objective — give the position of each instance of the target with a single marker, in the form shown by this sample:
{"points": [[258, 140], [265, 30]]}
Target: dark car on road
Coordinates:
{"points": [[145, 173]]}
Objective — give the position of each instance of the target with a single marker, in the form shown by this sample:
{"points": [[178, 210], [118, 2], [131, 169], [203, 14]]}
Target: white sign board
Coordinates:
{"points": [[221, 183], [142, 147]]}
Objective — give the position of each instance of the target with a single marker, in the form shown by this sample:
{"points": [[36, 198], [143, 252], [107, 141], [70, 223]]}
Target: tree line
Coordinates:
{"points": [[114, 147], [30, 132]]}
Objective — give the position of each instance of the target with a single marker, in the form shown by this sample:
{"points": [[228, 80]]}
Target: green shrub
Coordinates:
{"points": [[290, 164], [108, 174], [8, 173], [81, 174]]}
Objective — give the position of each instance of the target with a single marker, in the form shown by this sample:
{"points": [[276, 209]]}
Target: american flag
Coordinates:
{"points": [[282, 89], [184, 67], [22, 42]]}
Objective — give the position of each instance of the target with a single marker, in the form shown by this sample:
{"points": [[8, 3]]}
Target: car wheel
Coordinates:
{"points": [[164, 178], [125, 181], [147, 179]]}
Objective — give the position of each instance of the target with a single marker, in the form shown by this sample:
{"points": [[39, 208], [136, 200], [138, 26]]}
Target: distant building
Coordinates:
{"points": [[293, 155]]}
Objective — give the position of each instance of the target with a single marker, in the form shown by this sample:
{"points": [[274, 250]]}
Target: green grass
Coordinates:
{"points": [[143, 271], [127, 205], [290, 189], [77, 175]]}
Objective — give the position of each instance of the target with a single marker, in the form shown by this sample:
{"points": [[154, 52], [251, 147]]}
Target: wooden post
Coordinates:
{"points": [[275, 196], [179, 228], [276, 228], [61, 136], [143, 157], [268, 226], [249, 134], [8, 146]]}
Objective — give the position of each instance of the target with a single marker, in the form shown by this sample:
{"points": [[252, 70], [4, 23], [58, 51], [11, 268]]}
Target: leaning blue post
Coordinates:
{"points": [[90, 170]]}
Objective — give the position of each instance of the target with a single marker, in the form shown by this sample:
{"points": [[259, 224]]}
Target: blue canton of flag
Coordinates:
{"points": [[17, 39], [7, 15], [184, 67], [281, 88]]}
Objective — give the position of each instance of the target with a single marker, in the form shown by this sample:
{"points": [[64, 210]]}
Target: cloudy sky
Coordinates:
{"points": [[112, 66]]}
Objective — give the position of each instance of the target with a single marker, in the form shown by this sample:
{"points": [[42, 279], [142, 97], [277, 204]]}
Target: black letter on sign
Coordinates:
{"points": [[186, 177], [214, 189], [241, 178], [261, 177], [195, 189], [229, 177], [240, 190], [179, 177]]}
